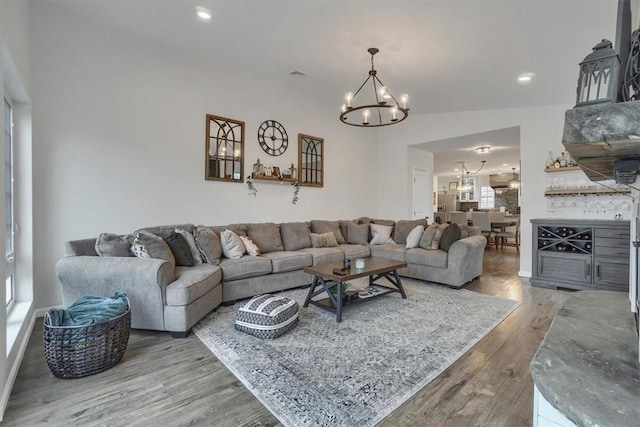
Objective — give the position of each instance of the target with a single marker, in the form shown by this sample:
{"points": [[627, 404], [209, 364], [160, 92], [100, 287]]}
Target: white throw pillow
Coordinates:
{"points": [[232, 246], [413, 239], [252, 248], [381, 234], [191, 241]]}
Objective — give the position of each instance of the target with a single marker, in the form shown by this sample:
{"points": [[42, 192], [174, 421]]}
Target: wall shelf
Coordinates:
{"points": [[596, 191], [564, 169], [272, 178]]}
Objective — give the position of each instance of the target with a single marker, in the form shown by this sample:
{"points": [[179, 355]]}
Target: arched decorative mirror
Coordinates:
{"points": [[310, 161], [224, 149]]}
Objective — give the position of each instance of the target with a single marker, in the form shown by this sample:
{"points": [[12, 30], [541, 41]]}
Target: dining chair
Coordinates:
{"points": [[497, 216], [507, 234], [483, 220], [458, 217]]}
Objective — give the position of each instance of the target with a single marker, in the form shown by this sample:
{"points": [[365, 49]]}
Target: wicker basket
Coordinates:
{"points": [[79, 351]]}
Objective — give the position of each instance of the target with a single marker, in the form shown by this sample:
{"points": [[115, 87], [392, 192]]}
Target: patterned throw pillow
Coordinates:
{"points": [[109, 244], [324, 240], [427, 236], [381, 234], [138, 249], [155, 246], [232, 246], [435, 243], [252, 248], [193, 247], [413, 239]]}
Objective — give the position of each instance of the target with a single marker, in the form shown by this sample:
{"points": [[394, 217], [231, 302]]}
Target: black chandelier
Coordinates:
{"points": [[381, 110]]}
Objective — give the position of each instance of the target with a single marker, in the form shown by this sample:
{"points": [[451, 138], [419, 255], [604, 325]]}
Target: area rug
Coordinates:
{"points": [[356, 372]]}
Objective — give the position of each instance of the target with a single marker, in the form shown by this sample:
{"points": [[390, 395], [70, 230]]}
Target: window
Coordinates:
{"points": [[8, 198], [487, 198]]}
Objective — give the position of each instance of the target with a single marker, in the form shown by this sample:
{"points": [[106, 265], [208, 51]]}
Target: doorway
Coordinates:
{"points": [[422, 189]]}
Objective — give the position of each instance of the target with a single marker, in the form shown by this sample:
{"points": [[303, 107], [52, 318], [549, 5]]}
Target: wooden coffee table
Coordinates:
{"points": [[324, 280]]}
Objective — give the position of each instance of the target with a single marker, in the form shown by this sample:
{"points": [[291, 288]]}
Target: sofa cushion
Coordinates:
{"points": [[295, 235], [324, 255], [109, 244], [450, 235], [288, 261], [380, 234], [320, 226], [180, 250], [324, 240], [404, 227], [191, 283], [193, 247], [165, 230], [246, 266], [427, 236], [343, 225], [357, 234], [155, 246], [355, 251], [390, 251], [232, 246], [429, 258], [266, 236], [413, 239], [208, 244], [252, 248]]}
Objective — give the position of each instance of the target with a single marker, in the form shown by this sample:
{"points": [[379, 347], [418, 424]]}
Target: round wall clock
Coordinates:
{"points": [[273, 138]]}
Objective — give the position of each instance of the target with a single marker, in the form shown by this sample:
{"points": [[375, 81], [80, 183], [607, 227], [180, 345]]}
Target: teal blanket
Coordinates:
{"points": [[89, 310]]}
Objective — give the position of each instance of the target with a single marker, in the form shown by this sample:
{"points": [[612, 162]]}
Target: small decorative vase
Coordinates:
{"points": [[563, 160], [550, 160]]}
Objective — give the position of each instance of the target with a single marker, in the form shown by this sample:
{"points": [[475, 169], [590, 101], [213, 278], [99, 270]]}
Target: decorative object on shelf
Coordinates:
{"points": [[550, 160], [275, 171], [273, 138], [296, 192], [515, 182], [453, 185], [253, 191], [224, 152], [598, 80], [258, 168], [383, 108], [310, 161]]}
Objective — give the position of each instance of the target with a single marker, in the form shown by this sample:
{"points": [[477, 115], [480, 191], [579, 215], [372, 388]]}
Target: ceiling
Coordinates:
{"points": [[448, 55]]}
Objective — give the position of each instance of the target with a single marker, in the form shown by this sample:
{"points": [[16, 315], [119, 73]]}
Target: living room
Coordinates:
{"points": [[111, 107]]}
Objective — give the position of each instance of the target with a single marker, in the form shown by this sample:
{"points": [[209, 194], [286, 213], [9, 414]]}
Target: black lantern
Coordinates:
{"points": [[598, 81]]}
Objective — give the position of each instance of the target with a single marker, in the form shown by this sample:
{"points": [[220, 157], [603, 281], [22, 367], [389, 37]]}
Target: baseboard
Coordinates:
{"points": [[11, 378], [524, 274]]}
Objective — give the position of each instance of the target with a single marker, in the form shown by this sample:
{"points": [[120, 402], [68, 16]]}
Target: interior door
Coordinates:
{"points": [[421, 193]]}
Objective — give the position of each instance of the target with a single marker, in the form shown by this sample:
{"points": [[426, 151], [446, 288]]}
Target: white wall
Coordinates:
{"points": [[540, 131], [119, 126]]}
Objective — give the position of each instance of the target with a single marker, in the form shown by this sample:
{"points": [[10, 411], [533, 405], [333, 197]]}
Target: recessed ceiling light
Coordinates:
{"points": [[203, 13], [483, 150], [505, 164], [525, 77], [456, 170]]}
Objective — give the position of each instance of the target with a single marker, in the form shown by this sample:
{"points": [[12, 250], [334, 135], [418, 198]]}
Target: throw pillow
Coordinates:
{"points": [[109, 244], [156, 247], [381, 234], [464, 230], [180, 249], [232, 246], [435, 243], [324, 240], [295, 235], [193, 247], [413, 239], [209, 245], [357, 234], [266, 236], [252, 248], [427, 236], [138, 249], [450, 235], [319, 227], [404, 227]]}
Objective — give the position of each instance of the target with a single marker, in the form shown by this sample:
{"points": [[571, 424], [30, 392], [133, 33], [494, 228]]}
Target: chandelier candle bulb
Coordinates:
{"points": [[366, 117], [393, 114], [405, 98], [349, 98]]}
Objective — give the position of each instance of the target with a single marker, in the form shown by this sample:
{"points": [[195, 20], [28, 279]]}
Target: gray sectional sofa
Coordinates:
{"points": [[173, 298]]}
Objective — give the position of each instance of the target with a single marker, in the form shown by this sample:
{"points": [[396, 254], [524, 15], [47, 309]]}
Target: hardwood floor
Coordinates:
{"points": [[166, 381]]}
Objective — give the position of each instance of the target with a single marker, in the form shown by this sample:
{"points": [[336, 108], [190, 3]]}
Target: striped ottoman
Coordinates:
{"points": [[267, 316]]}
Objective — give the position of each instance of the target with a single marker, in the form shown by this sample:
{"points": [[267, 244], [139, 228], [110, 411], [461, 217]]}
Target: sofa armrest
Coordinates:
{"points": [[143, 280], [469, 250]]}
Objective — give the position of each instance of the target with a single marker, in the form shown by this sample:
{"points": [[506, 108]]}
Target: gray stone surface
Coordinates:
{"points": [[587, 366], [603, 122]]}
